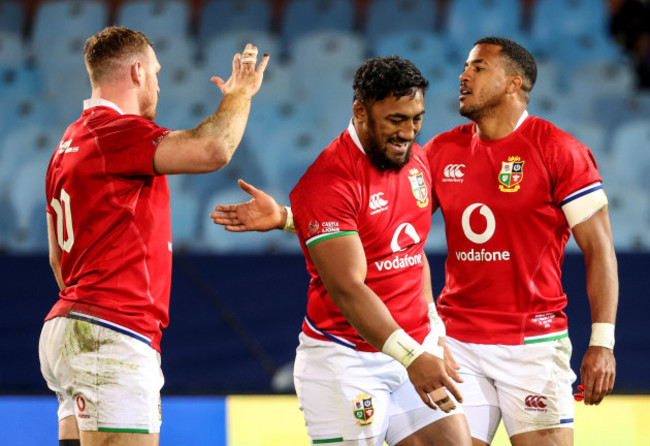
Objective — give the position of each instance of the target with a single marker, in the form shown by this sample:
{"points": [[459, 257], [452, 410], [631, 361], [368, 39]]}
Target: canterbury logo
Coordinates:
{"points": [[376, 202], [535, 401], [453, 171]]}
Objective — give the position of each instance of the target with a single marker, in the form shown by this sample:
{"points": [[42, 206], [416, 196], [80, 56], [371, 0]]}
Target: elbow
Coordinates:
{"points": [[217, 157]]}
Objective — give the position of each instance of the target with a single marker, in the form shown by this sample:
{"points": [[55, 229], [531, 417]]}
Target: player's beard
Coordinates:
{"points": [[479, 111], [377, 154]]}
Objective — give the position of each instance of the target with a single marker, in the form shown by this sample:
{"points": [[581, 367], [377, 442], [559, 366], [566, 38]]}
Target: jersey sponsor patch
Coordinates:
{"points": [[453, 173], [363, 409], [511, 174], [418, 187]]}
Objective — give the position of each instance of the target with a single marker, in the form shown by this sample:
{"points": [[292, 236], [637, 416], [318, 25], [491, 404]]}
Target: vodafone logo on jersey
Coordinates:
{"points": [[453, 173], [377, 203], [405, 235], [479, 213]]}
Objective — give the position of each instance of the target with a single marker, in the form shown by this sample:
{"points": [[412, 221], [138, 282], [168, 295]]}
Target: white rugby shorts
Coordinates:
{"points": [[109, 381], [348, 396], [529, 386]]}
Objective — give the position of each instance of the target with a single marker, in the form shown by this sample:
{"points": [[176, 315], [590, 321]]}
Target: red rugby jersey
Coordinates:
{"points": [[342, 193], [112, 220], [506, 232]]}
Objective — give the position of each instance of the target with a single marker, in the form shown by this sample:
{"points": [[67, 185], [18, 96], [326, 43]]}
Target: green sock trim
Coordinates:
{"points": [[130, 431], [328, 440]]}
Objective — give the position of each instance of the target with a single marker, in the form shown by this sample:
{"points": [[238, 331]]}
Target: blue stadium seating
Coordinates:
{"points": [[12, 16], [157, 18], [386, 16], [222, 16], [56, 19], [309, 16]]}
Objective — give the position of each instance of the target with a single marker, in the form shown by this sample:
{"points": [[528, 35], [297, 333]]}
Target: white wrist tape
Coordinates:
{"points": [[288, 225], [602, 335], [402, 347], [437, 325]]}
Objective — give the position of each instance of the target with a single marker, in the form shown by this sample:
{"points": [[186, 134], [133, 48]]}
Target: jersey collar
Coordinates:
{"points": [[523, 117], [355, 137], [99, 102]]}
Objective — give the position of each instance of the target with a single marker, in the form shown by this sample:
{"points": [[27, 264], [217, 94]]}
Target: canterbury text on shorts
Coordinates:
{"points": [[108, 380], [529, 385], [348, 395]]}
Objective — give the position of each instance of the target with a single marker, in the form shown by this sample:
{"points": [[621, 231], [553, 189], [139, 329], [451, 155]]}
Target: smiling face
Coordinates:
{"points": [[483, 83], [387, 128]]}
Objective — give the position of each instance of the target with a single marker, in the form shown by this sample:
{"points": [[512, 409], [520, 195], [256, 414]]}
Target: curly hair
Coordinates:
{"points": [[112, 44], [522, 63], [384, 76]]}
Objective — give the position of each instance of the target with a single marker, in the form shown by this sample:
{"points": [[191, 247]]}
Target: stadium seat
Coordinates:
{"points": [[309, 16], [441, 115], [12, 50], [157, 18], [25, 110], [184, 207], [12, 16], [629, 209], [28, 199], [21, 145], [324, 58], [218, 51], [553, 20], [386, 16], [174, 51], [56, 19], [66, 83], [470, 20], [614, 110], [630, 149], [224, 16]]}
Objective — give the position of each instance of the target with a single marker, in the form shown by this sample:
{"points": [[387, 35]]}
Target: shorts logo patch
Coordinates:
{"points": [[535, 403], [81, 406], [511, 175], [363, 410], [313, 227], [418, 187]]}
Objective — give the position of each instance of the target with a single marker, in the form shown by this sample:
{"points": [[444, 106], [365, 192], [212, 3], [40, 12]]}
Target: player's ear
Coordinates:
{"points": [[359, 111], [137, 73], [514, 84]]}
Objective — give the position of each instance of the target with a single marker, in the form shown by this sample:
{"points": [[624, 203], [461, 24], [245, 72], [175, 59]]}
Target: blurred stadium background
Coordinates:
{"points": [[238, 299]]}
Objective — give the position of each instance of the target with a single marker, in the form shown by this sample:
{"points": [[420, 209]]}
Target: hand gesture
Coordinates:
{"points": [[261, 213], [597, 373], [245, 77], [451, 366], [428, 374]]}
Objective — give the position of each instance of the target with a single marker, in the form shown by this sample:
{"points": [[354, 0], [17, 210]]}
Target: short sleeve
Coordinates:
{"points": [[577, 185], [128, 146], [324, 205]]}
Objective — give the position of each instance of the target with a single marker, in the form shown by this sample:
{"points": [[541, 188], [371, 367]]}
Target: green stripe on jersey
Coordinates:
{"points": [[552, 337], [329, 440], [319, 238], [130, 431]]}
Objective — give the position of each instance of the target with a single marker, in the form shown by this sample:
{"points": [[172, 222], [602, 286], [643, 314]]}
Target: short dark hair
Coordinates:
{"points": [[384, 76], [522, 63], [111, 44]]}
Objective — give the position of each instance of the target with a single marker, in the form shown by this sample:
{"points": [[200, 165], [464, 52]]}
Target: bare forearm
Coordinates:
{"points": [[602, 285], [226, 125], [366, 313]]}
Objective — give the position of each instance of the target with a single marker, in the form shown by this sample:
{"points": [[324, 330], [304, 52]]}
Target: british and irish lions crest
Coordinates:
{"points": [[418, 187], [363, 410], [511, 175]]}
